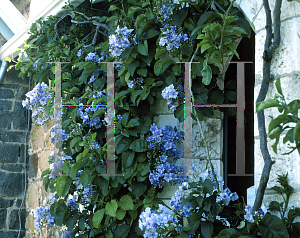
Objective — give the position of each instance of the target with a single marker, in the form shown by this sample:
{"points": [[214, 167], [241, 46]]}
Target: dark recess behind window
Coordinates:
{"points": [[239, 184]]}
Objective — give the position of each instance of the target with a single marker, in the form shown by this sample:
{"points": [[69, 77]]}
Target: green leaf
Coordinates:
{"points": [[97, 218], [227, 233], [111, 208], [275, 135], [280, 119], [120, 214], [81, 224], [151, 33], [278, 86], [63, 185], [103, 184], [289, 136], [112, 8], [74, 141], [272, 226], [217, 97], [133, 9], [123, 144], [122, 231], [208, 185], [142, 72], [139, 145], [112, 18], [126, 203], [266, 104], [85, 177], [243, 23], [133, 123], [297, 132], [204, 17], [160, 51], [179, 113], [179, 17], [141, 157], [207, 229], [194, 222], [206, 74], [127, 158], [138, 189], [132, 67], [161, 65], [231, 95], [143, 48]]}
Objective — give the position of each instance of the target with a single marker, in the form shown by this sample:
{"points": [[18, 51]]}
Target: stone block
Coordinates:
{"points": [[5, 105], [43, 160], [13, 167], [6, 93], [12, 234], [13, 136], [287, 57], [14, 219], [37, 137], [163, 120], [6, 119], [12, 184], [19, 117], [213, 134], [3, 215], [250, 8], [9, 153], [4, 203]]}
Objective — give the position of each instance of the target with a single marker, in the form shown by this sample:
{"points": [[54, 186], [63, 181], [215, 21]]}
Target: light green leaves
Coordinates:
{"points": [[126, 203], [161, 66], [111, 208], [206, 74], [97, 218]]}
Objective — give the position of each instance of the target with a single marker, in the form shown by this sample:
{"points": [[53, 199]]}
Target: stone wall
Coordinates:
{"points": [[286, 65], [13, 128]]}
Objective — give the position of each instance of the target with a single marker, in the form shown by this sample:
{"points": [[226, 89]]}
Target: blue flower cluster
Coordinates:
{"points": [[171, 94], [72, 203], [172, 38], [164, 12], [166, 172], [152, 221], [249, 213], [35, 100], [176, 202], [43, 214], [54, 133], [92, 57], [163, 142], [227, 196], [56, 163], [119, 42], [86, 114], [131, 83]]}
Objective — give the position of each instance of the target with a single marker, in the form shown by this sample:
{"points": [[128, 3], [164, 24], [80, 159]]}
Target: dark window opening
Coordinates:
{"points": [[239, 184]]}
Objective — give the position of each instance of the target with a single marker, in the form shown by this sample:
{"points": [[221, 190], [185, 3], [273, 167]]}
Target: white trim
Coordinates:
{"points": [[17, 41], [11, 16]]}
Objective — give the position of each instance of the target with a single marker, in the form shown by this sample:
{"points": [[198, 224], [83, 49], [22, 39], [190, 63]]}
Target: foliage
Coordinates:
{"points": [[148, 43], [289, 115]]}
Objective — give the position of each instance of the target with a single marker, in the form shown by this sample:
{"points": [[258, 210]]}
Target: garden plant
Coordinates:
{"points": [[147, 38]]}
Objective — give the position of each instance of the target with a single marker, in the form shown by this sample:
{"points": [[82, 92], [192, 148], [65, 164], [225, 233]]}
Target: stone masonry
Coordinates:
{"points": [[13, 128]]}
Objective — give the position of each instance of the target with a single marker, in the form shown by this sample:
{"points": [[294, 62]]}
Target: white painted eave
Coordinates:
{"points": [[53, 7]]}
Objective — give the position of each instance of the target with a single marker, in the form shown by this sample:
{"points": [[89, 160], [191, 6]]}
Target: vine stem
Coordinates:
{"points": [[223, 29], [208, 160]]}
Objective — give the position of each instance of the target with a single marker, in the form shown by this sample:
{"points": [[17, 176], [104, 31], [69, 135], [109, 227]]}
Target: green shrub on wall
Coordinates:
{"points": [[148, 38]]}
